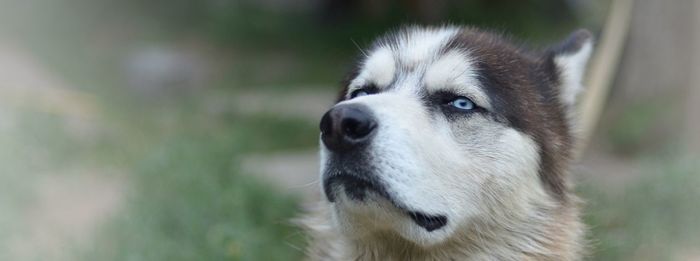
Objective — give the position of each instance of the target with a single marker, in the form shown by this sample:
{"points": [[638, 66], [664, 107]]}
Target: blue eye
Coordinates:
{"points": [[462, 103]]}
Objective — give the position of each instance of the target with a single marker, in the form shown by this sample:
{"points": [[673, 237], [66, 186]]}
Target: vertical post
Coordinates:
{"points": [[602, 69], [691, 135]]}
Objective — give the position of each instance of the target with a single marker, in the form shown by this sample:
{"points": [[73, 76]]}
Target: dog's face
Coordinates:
{"points": [[442, 127]]}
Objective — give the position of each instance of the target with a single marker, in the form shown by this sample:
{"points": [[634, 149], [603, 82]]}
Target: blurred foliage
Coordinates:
{"points": [[309, 42], [633, 128], [328, 24], [189, 202], [652, 218], [317, 44], [641, 127], [188, 199]]}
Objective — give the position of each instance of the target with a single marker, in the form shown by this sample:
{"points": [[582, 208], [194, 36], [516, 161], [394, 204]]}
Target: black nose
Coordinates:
{"points": [[348, 126]]}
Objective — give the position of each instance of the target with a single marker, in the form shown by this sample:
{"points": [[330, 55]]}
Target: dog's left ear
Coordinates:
{"points": [[570, 58]]}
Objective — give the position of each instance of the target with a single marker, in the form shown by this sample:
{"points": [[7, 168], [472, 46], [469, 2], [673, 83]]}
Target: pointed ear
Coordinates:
{"points": [[570, 58]]}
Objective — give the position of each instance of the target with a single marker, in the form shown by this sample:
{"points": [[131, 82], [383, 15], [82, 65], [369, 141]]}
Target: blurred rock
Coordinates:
{"points": [[305, 104]]}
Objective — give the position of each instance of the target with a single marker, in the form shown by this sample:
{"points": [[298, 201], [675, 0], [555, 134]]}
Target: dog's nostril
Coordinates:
{"points": [[346, 126]]}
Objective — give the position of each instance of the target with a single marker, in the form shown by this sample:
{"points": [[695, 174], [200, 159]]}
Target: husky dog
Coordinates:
{"points": [[452, 143]]}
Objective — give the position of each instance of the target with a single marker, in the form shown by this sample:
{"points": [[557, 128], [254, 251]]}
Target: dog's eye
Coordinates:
{"points": [[358, 93], [462, 103], [362, 92]]}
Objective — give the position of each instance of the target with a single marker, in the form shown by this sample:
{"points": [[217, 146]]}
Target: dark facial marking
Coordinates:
{"points": [[430, 223], [522, 87], [369, 89], [439, 102], [354, 172], [356, 187]]}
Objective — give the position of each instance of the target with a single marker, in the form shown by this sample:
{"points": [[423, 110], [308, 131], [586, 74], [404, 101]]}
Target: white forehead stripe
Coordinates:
{"points": [[453, 68], [379, 69], [419, 45], [412, 47]]}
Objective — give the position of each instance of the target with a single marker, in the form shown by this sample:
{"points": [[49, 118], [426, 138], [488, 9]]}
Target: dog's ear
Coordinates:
{"points": [[570, 58]]}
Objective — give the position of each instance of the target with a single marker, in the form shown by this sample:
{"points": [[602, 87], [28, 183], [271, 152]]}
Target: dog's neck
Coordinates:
{"points": [[543, 233]]}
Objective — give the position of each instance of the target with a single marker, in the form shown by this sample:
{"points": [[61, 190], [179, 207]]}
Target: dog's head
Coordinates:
{"points": [[441, 127]]}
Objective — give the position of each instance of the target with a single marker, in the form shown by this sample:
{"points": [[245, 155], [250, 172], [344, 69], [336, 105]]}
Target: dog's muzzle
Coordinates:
{"points": [[347, 127], [345, 131]]}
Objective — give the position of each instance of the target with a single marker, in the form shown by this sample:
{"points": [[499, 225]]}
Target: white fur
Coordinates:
{"points": [[572, 67], [418, 45], [379, 68], [415, 48]]}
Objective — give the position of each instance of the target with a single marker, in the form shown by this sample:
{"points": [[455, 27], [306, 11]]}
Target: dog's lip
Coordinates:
{"points": [[354, 182]]}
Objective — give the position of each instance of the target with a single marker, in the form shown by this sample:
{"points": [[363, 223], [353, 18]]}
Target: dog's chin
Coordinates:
{"points": [[364, 205], [376, 215]]}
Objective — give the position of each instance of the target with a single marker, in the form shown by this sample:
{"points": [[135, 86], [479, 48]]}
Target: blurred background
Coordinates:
{"points": [[187, 130]]}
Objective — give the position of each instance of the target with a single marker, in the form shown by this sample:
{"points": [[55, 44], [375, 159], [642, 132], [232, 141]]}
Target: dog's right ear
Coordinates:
{"points": [[570, 58]]}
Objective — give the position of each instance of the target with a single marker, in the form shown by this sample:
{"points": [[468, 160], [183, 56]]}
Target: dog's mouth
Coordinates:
{"points": [[355, 187], [358, 188]]}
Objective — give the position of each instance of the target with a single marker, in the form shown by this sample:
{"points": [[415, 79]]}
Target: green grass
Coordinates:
{"points": [[188, 199], [189, 202]]}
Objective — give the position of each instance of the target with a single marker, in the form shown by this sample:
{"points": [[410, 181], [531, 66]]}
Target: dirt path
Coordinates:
{"points": [[66, 206], [66, 210], [307, 105]]}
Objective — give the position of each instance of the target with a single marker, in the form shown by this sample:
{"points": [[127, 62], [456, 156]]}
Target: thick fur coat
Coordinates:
{"points": [[452, 143]]}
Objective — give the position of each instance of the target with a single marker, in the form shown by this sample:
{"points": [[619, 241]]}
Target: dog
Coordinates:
{"points": [[452, 143]]}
